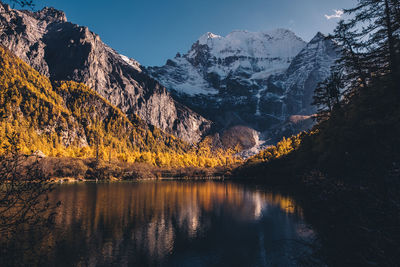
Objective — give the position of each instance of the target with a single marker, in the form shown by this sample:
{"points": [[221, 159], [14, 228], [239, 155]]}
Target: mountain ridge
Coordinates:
{"points": [[44, 38]]}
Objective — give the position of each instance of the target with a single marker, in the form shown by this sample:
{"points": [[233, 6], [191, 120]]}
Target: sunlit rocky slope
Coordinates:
{"points": [[62, 50]]}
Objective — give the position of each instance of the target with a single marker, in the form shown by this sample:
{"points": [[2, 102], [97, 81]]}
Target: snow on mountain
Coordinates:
{"points": [[308, 68], [131, 62], [271, 44], [182, 76], [253, 79], [258, 54], [208, 36]]}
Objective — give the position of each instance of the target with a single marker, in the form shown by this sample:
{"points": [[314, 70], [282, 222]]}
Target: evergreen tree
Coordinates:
{"points": [[353, 60], [327, 95], [396, 10], [374, 31]]}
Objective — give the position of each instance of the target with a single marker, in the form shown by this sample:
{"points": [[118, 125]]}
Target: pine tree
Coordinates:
{"points": [[374, 30], [396, 10], [352, 61], [327, 95]]}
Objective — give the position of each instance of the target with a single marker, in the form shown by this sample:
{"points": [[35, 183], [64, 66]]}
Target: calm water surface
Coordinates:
{"points": [[174, 223]]}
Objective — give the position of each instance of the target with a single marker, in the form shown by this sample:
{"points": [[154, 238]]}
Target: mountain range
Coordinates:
{"points": [[246, 89], [258, 80]]}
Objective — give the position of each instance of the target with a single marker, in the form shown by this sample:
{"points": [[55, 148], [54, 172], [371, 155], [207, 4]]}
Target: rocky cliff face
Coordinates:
{"points": [[258, 80], [65, 51], [297, 84]]}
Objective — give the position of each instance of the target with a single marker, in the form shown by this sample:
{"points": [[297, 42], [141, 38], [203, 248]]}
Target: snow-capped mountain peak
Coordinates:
{"points": [[276, 43], [205, 38], [252, 79], [248, 57]]}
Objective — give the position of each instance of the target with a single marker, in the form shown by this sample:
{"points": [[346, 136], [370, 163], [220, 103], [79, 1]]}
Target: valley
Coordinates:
{"points": [[257, 142]]}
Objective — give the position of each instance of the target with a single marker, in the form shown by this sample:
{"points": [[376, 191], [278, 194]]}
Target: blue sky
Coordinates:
{"points": [[151, 31]]}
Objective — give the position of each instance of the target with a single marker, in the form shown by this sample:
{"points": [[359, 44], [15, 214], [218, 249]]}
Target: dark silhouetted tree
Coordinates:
{"points": [[327, 95], [373, 31], [353, 58]]}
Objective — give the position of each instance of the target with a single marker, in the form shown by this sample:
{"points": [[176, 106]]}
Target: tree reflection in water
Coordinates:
{"points": [[173, 223]]}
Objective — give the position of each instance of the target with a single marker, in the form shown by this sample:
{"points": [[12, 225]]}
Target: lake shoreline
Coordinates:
{"points": [[341, 215], [80, 180], [60, 170]]}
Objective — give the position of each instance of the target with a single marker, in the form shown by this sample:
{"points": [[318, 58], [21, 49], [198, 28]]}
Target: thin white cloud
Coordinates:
{"points": [[338, 14]]}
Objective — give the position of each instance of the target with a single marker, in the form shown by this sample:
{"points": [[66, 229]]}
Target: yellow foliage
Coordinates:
{"points": [[68, 119], [282, 148]]}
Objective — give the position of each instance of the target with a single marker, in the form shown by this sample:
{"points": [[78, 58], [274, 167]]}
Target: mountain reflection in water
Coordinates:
{"points": [[174, 223]]}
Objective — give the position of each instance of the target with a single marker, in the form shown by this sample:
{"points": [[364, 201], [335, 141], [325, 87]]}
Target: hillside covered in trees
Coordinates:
{"points": [[67, 119], [347, 168]]}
